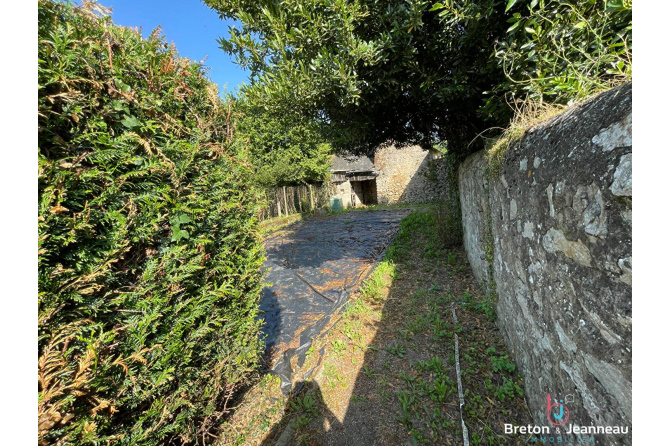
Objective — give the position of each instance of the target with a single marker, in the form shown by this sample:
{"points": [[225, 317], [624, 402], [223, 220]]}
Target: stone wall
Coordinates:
{"points": [[403, 175], [551, 234]]}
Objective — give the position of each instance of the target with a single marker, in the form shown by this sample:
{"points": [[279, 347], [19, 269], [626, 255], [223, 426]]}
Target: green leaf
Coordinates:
{"points": [[130, 122], [178, 234], [119, 106], [122, 86], [513, 27], [614, 5], [510, 4]]}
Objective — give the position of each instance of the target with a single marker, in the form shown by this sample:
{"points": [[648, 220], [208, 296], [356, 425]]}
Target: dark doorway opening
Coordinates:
{"points": [[363, 192]]}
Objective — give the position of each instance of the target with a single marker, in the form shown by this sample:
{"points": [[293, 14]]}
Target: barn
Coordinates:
{"points": [[392, 175]]}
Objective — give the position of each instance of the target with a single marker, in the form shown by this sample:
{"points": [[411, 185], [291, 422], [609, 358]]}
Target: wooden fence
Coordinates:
{"points": [[287, 200]]}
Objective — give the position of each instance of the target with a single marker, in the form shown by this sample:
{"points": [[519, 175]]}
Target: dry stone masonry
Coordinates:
{"points": [[551, 234], [403, 174]]}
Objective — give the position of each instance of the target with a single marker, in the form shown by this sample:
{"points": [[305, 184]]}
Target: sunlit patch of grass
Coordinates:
{"points": [[380, 278]]}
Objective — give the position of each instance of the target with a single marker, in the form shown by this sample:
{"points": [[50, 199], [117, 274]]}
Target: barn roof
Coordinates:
{"points": [[348, 163]]}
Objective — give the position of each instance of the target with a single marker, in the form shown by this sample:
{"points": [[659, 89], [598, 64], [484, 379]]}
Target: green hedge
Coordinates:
{"points": [[149, 254]]}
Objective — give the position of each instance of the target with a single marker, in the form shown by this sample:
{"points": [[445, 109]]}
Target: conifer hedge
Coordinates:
{"points": [[149, 255]]}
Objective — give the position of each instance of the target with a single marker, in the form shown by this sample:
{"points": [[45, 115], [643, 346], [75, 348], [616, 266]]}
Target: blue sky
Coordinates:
{"points": [[191, 25]]}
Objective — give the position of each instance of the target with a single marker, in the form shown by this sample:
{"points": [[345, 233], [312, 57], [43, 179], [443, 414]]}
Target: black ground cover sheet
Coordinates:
{"points": [[313, 267]]}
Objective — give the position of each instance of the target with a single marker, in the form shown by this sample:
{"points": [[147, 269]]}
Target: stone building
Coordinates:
{"points": [[354, 180], [392, 175]]}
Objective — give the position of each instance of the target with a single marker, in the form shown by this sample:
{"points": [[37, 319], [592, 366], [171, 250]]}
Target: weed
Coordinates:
{"points": [[353, 330], [368, 371], [356, 308], [484, 306], [372, 287], [311, 351], [439, 327], [332, 376], [442, 300], [451, 258], [417, 324], [475, 439], [385, 394], [339, 346], [420, 295], [396, 349], [507, 390], [406, 377], [305, 405], [441, 387], [406, 400], [434, 364], [306, 408], [501, 363], [301, 421]]}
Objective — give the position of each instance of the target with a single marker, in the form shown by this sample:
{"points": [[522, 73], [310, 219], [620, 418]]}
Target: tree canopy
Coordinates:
{"points": [[370, 71], [281, 150]]}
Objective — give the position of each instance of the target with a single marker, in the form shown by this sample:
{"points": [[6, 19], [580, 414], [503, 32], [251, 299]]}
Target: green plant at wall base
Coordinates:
{"points": [[149, 254], [448, 225], [502, 363], [491, 299], [447, 209], [507, 390], [485, 306]]}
